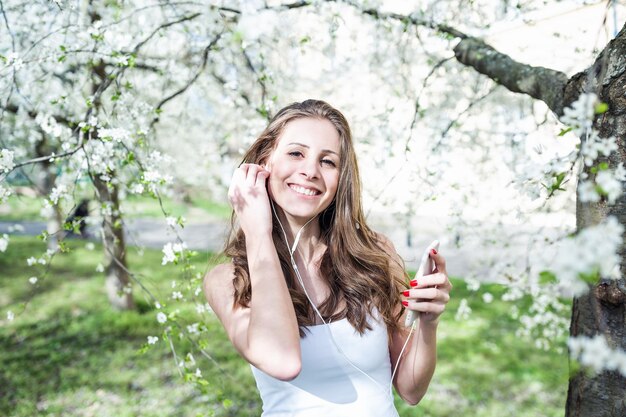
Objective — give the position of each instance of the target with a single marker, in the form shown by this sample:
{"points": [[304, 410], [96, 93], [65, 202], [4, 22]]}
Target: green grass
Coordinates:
{"points": [[198, 208], [69, 354]]}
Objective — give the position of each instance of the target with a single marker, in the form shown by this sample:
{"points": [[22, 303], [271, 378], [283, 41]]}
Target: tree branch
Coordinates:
{"points": [[541, 83], [205, 56]]}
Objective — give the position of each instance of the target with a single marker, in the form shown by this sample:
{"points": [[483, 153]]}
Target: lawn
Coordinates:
{"points": [[67, 353]]}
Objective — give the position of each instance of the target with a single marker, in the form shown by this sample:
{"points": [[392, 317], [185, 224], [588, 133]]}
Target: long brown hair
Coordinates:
{"points": [[357, 265]]}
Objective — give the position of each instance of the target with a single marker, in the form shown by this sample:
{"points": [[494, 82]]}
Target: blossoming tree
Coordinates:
{"points": [[93, 82]]}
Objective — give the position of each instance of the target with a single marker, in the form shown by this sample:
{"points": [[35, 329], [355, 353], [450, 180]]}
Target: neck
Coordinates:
{"points": [[309, 242]]}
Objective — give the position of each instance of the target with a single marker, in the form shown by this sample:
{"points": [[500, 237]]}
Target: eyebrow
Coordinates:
{"points": [[307, 146]]}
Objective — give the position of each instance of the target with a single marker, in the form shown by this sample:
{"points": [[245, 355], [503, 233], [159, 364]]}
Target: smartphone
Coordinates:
{"points": [[426, 268]]}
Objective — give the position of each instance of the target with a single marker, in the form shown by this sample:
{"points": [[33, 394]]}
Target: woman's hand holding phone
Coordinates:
{"points": [[248, 196], [430, 290]]}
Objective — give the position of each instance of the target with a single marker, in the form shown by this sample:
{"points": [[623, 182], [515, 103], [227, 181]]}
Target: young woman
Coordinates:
{"points": [[312, 298]]}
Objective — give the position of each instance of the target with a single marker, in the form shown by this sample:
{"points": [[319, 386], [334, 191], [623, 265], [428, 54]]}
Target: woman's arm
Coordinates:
{"points": [[265, 333], [428, 297]]}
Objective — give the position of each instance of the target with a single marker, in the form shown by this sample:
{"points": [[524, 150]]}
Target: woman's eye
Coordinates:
{"points": [[295, 153], [329, 162]]}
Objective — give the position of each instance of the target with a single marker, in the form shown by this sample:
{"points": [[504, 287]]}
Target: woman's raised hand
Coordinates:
{"points": [[248, 196]]}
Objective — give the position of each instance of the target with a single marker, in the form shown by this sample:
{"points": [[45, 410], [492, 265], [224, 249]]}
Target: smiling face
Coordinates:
{"points": [[305, 168]]}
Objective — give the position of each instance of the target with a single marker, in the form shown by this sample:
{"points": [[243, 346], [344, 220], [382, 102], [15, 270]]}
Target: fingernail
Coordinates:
{"points": [[413, 283], [434, 251], [405, 303], [406, 293]]}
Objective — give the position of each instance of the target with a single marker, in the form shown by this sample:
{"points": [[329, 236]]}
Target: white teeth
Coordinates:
{"points": [[303, 190]]}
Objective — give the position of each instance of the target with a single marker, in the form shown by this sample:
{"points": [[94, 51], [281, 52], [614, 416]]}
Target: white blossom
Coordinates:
{"points": [[161, 317], [620, 172], [31, 261], [609, 183], [10, 315], [170, 251], [152, 340], [32, 280], [4, 242], [168, 254], [594, 248], [177, 295], [6, 160], [171, 221], [595, 353], [115, 134], [4, 194], [198, 373], [464, 311], [57, 193], [193, 328], [14, 60], [136, 188], [487, 298], [100, 268], [580, 115], [587, 192]]}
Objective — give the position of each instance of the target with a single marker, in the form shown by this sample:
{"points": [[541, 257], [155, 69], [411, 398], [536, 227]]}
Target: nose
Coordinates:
{"points": [[309, 168]]}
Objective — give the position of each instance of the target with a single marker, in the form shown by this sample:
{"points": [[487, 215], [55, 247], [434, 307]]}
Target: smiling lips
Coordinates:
{"points": [[304, 190]]}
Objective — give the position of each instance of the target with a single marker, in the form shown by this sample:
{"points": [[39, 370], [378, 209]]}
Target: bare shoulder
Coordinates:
{"points": [[218, 285], [396, 262]]}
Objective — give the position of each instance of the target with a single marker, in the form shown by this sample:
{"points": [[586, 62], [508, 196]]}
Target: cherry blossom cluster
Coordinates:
{"points": [[573, 258], [596, 354]]}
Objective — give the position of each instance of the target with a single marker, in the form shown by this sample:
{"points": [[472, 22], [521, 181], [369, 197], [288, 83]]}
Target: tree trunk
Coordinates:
{"points": [[603, 309], [118, 286]]}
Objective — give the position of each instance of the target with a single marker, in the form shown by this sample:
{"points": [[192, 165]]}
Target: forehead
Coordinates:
{"points": [[315, 133]]}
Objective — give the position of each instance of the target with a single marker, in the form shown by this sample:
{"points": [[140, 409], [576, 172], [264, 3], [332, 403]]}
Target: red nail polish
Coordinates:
{"points": [[413, 283], [405, 303], [434, 251], [406, 293]]}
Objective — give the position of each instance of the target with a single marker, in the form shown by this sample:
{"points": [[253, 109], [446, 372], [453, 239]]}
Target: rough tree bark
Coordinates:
{"points": [[603, 309], [116, 268], [117, 277]]}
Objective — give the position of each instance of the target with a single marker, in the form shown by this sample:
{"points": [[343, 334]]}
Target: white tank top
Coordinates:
{"points": [[328, 386]]}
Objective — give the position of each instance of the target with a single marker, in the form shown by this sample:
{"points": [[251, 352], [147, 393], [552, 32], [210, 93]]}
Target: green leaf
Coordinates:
{"points": [[547, 277], [601, 108], [591, 277], [564, 131], [61, 58]]}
